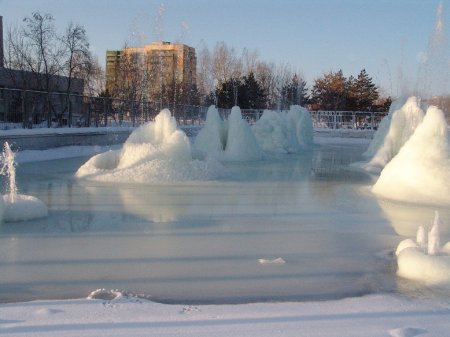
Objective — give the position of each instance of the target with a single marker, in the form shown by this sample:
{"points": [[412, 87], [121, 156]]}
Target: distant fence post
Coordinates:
{"points": [[105, 110]]}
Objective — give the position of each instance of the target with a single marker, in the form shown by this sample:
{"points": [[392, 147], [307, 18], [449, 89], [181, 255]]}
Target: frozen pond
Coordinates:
{"points": [[200, 243]]}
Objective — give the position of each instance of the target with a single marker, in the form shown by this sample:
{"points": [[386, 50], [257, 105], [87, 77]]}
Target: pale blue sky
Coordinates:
{"points": [[387, 37]]}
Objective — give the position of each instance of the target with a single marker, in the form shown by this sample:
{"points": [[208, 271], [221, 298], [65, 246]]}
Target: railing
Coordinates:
{"points": [[33, 109], [347, 119]]}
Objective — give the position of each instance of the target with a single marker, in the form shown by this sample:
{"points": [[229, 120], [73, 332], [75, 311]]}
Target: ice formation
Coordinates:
{"points": [[241, 143], [13, 206], [428, 263], [394, 132], [284, 132], [211, 140], [23, 208], [156, 152], [420, 172]]}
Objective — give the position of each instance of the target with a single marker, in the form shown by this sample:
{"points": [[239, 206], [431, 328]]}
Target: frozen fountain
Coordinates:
{"points": [[420, 172], [156, 152], [425, 262], [9, 170], [396, 128], [284, 132], [18, 207]]}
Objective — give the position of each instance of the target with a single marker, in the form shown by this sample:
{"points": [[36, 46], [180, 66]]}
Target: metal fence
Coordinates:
{"points": [[347, 119], [33, 109]]}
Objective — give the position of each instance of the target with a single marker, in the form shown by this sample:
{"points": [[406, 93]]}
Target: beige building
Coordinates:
{"points": [[165, 72]]}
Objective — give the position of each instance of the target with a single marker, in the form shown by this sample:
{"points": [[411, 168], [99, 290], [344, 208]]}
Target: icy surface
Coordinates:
{"points": [[420, 172], [201, 242], [394, 133]]}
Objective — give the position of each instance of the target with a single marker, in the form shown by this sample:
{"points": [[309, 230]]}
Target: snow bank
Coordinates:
{"points": [[23, 208], [284, 132], [155, 152], [394, 131], [241, 142], [423, 261], [420, 172], [115, 315]]}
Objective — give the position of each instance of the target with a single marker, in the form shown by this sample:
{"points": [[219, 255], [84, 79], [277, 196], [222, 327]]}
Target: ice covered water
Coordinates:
{"points": [[202, 242]]}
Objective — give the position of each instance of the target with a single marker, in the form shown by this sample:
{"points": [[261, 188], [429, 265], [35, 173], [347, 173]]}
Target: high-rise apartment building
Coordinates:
{"points": [[169, 70]]}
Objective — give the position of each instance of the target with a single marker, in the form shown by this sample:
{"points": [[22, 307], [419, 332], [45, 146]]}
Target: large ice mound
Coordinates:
{"points": [[394, 131], [234, 140], [231, 140], [425, 260], [285, 131], [420, 172], [156, 152]]}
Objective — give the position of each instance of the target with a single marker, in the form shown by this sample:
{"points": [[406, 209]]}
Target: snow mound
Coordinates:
{"points": [[420, 172], [394, 133], [284, 132], [156, 152], [23, 208], [425, 262], [241, 143]]}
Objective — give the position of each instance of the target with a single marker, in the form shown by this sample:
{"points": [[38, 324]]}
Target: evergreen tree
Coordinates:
{"points": [[365, 92], [294, 93], [251, 94]]}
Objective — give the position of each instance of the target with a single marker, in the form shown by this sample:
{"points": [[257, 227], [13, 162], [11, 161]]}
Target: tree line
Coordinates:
{"points": [[223, 76]]}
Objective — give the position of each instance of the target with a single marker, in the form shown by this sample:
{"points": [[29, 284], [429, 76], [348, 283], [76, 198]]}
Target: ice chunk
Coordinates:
{"points": [[278, 260]]}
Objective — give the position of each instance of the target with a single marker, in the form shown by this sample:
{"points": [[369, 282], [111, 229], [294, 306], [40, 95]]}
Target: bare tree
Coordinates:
{"points": [[205, 77], [44, 54], [77, 59], [265, 75]]}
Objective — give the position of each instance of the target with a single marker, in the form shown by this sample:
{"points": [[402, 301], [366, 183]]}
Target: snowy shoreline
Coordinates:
{"points": [[373, 315]]}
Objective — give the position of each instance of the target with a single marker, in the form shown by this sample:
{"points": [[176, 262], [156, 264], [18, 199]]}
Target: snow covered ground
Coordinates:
{"points": [[374, 316]]}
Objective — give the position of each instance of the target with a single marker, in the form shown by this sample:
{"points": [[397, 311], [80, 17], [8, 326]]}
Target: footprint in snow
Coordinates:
{"points": [[190, 309]]}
